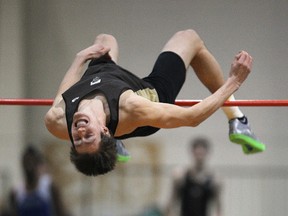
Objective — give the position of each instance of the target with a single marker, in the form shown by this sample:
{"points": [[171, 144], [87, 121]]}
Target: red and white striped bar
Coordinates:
{"points": [[251, 103]]}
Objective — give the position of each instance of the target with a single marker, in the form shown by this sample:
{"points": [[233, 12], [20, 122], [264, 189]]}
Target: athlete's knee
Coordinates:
{"points": [[104, 37], [190, 35]]}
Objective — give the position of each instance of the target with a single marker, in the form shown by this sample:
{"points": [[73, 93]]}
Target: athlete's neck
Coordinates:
{"points": [[105, 106], [96, 106]]}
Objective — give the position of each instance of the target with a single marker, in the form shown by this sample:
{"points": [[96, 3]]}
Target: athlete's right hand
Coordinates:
{"points": [[93, 52], [241, 67]]}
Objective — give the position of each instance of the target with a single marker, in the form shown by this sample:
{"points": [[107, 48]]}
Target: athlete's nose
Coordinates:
{"points": [[81, 131]]}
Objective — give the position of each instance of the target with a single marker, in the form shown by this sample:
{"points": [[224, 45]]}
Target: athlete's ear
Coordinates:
{"points": [[105, 130]]}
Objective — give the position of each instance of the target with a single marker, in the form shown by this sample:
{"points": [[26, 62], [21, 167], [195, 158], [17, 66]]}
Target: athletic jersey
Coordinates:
{"points": [[195, 196], [37, 202], [109, 79]]}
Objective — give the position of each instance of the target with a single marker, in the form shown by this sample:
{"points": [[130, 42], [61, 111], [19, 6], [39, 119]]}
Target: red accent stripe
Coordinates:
{"points": [[238, 102], [48, 102]]}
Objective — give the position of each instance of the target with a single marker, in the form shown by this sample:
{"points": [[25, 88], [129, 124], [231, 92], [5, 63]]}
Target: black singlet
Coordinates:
{"points": [[195, 196], [111, 80]]}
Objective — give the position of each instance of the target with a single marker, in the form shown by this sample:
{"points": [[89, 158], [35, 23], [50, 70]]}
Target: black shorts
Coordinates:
{"points": [[167, 76]]}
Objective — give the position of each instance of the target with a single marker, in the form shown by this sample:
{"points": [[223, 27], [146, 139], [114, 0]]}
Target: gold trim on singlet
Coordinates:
{"points": [[149, 94]]}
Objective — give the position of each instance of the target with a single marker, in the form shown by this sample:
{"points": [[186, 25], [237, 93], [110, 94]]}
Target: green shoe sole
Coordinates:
{"points": [[249, 145], [123, 159]]}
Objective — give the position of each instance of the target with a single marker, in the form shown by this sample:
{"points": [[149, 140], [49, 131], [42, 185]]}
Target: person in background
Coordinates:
{"points": [[38, 195], [196, 188]]}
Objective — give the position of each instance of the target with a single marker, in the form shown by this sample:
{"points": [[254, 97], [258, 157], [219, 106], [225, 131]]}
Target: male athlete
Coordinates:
{"points": [[106, 104], [196, 189]]}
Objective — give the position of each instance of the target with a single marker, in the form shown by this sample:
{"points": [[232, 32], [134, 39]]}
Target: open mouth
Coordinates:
{"points": [[80, 120], [81, 123]]}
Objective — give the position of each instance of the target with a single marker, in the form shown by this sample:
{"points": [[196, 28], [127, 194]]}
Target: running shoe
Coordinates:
{"points": [[241, 133], [122, 154]]}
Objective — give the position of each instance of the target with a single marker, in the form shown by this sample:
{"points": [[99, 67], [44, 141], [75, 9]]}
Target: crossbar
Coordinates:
{"points": [[49, 102]]}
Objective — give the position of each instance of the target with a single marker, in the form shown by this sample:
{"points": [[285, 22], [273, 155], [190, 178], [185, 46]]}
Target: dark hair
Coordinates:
{"points": [[31, 159], [200, 142], [98, 163]]}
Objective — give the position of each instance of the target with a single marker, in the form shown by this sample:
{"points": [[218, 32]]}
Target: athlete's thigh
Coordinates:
{"points": [[185, 43]]}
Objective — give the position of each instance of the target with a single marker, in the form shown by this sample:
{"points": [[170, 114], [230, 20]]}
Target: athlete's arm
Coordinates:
{"points": [[162, 115], [170, 116], [218, 198], [174, 199], [55, 120]]}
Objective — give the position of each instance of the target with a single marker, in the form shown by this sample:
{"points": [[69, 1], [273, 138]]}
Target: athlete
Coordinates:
{"points": [[196, 189], [98, 108]]}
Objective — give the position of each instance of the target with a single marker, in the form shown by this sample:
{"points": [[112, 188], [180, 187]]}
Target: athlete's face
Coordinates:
{"points": [[86, 133], [200, 155]]}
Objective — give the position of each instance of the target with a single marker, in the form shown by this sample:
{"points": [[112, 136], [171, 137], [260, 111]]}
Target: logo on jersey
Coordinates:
{"points": [[75, 99], [96, 80]]}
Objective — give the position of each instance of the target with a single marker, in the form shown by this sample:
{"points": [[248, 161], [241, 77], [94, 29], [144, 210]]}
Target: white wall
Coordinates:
{"points": [[11, 86], [56, 30]]}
